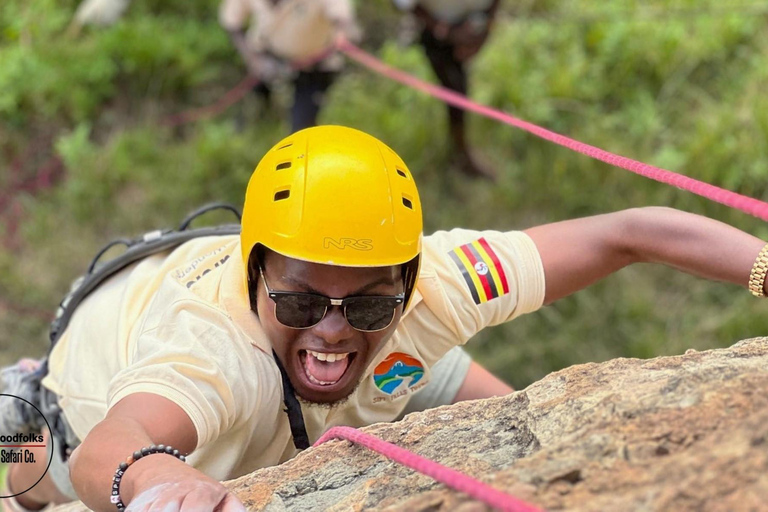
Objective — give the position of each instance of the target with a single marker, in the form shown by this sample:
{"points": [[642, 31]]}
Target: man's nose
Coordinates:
{"points": [[334, 328]]}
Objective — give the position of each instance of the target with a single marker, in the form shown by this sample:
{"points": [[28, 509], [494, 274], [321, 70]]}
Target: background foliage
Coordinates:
{"points": [[676, 83]]}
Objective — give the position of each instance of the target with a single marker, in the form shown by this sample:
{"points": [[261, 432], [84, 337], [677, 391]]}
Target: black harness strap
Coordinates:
{"points": [[138, 249], [147, 245], [293, 409]]}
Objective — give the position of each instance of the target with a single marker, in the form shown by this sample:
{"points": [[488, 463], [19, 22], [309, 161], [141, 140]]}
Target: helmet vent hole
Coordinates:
{"points": [[284, 165], [401, 172], [285, 146], [282, 194], [407, 203]]}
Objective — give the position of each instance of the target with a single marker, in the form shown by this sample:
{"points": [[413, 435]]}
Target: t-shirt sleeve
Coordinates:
{"points": [[474, 279], [234, 14], [195, 357]]}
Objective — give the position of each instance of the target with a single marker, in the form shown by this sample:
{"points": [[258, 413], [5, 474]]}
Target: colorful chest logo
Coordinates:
{"points": [[396, 369], [481, 270]]}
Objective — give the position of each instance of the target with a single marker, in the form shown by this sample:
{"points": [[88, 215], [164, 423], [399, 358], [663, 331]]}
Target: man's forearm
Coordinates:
{"points": [[121, 433], [578, 252], [693, 244], [137, 421], [94, 462]]}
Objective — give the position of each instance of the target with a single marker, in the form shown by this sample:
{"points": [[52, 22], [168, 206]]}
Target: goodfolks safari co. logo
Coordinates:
{"points": [[24, 448], [398, 374]]}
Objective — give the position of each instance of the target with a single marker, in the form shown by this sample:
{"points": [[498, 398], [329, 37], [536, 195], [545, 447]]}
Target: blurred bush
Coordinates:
{"points": [[678, 84]]}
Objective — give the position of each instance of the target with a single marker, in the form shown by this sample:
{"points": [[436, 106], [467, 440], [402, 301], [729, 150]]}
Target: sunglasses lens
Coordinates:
{"points": [[371, 314], [299, 310]]}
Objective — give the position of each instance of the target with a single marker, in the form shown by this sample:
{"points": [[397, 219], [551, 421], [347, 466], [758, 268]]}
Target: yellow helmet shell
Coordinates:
{"points": [[336, 196]]}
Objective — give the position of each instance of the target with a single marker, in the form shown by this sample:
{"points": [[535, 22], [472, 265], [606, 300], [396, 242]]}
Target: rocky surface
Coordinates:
{"points": [[683, 433]]}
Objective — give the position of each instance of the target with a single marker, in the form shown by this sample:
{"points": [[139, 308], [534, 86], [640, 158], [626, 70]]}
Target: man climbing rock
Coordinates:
{"points": [[231, 353]]}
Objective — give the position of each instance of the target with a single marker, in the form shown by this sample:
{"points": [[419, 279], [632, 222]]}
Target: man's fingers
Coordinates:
{"points": [[168, 500], [166, 504], [197, 497], [143, 502], [207, 500], [231, 504]]}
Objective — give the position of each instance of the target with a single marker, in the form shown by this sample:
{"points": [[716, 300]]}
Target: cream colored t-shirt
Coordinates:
{"points": [[295, 30], [179, 325], [448, 11]]}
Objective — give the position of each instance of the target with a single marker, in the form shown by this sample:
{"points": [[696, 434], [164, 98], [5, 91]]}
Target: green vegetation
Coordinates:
{"points": [[676, 83]]}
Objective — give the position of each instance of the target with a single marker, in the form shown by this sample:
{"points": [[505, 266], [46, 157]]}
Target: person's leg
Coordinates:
{"points": [[453, 75], [310, 88]]}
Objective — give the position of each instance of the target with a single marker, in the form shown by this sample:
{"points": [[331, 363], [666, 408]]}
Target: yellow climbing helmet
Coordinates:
{"points": [[336, 196]]}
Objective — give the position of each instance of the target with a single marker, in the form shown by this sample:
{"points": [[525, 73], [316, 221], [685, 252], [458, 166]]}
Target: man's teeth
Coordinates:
{"points": [[322, 356], [319, 382]]}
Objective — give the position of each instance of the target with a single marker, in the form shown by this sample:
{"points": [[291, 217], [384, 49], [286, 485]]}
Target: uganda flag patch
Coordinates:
{"points": [[481, 269]]}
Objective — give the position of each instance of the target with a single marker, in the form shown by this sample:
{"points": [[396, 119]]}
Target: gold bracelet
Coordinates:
{"points": [[759, 271]]}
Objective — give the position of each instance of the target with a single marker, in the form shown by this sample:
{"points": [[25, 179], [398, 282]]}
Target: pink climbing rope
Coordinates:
{"points": [[746, 204], [231, 97], [236, 94], [448, 476]]}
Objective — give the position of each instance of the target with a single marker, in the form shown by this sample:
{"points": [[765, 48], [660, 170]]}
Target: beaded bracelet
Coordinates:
{"points": [[149, 450]]}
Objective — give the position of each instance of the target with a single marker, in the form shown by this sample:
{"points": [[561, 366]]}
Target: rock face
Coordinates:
{"points": [[684, 433]]}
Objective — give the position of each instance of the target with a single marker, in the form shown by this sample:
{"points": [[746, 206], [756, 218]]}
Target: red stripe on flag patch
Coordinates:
{"points": [[496, 263], [483, 280]]}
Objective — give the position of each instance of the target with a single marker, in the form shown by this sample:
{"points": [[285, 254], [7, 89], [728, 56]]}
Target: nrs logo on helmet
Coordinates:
{"points": [[365, 244]]}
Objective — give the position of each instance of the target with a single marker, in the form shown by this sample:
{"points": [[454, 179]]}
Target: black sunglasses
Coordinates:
{"points": [[367, 313]]}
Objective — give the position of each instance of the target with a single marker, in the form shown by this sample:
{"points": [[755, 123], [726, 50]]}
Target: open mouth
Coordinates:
{"points": [[325, 370]]}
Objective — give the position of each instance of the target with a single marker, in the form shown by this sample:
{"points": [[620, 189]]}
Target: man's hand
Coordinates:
{"points": [[172, 486], [137, 421], [265, 67], [258, 64]]}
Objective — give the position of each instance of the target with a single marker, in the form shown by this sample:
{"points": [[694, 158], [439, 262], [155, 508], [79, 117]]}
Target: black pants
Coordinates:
{"points": [[308, 96], [452, 75]]}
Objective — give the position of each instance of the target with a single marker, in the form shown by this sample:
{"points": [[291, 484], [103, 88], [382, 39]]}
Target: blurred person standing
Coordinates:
{"points": [[280, 39], [452, 32]]}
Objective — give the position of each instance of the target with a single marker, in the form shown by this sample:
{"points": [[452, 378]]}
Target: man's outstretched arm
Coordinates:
{"points": [[576, 253], [480, 383], [137, 421]]}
